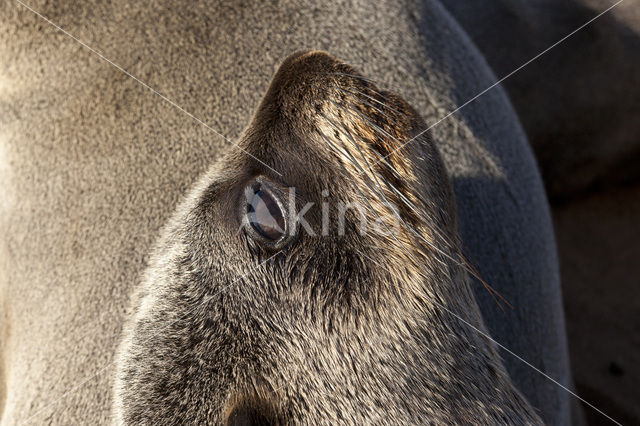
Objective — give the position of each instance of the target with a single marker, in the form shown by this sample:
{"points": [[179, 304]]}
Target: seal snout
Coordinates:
{"points": [[300, 84], [314, 89], [302, 66], [320, 107]]}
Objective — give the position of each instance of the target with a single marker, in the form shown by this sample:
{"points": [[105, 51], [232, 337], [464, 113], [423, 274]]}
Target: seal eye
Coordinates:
{"points": [[264, 213]]}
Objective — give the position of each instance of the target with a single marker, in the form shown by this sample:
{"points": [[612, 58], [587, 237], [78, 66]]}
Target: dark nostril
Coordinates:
{"points": [[247, 416]]}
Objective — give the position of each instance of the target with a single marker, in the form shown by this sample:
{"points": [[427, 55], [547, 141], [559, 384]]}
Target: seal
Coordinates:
{"points": [[281, 324], [93, 165]]}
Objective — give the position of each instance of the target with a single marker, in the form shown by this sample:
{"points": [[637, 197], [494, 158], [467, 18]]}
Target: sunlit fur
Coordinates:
{"points": [[353, 329]]}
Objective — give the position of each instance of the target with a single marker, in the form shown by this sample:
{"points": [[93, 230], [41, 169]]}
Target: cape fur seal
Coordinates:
{"points": [[328, 329], [99, 163]]}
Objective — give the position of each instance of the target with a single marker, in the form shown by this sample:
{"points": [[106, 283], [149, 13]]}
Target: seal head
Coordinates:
{"points": [[309, 277]]}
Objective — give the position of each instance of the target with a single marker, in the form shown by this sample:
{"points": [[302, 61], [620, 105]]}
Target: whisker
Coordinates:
{"points": [[378, 86], [463, 262], [348, 135], [393, 170], [357, 92], [345, 74], [380, 193], [371, 85], [404, 248], [370, 106], [396, 173], [369, 121]]}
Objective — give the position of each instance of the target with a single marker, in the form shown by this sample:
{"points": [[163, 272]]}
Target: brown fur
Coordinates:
{"points": [[320, 334], [93, 163]]}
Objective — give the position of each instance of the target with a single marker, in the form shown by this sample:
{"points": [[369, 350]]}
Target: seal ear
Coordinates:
{"points": [[253, 412], [247, 416]]}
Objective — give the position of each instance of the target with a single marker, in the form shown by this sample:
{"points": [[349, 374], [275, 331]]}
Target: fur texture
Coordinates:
{"points": [[93, 165], [317, 332]]}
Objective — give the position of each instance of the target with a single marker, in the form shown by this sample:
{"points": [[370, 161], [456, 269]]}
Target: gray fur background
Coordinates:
{"points": [[92, 165]]}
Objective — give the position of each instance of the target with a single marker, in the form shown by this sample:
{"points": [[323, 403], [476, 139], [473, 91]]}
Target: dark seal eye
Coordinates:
{"points": [[264, 214]]}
